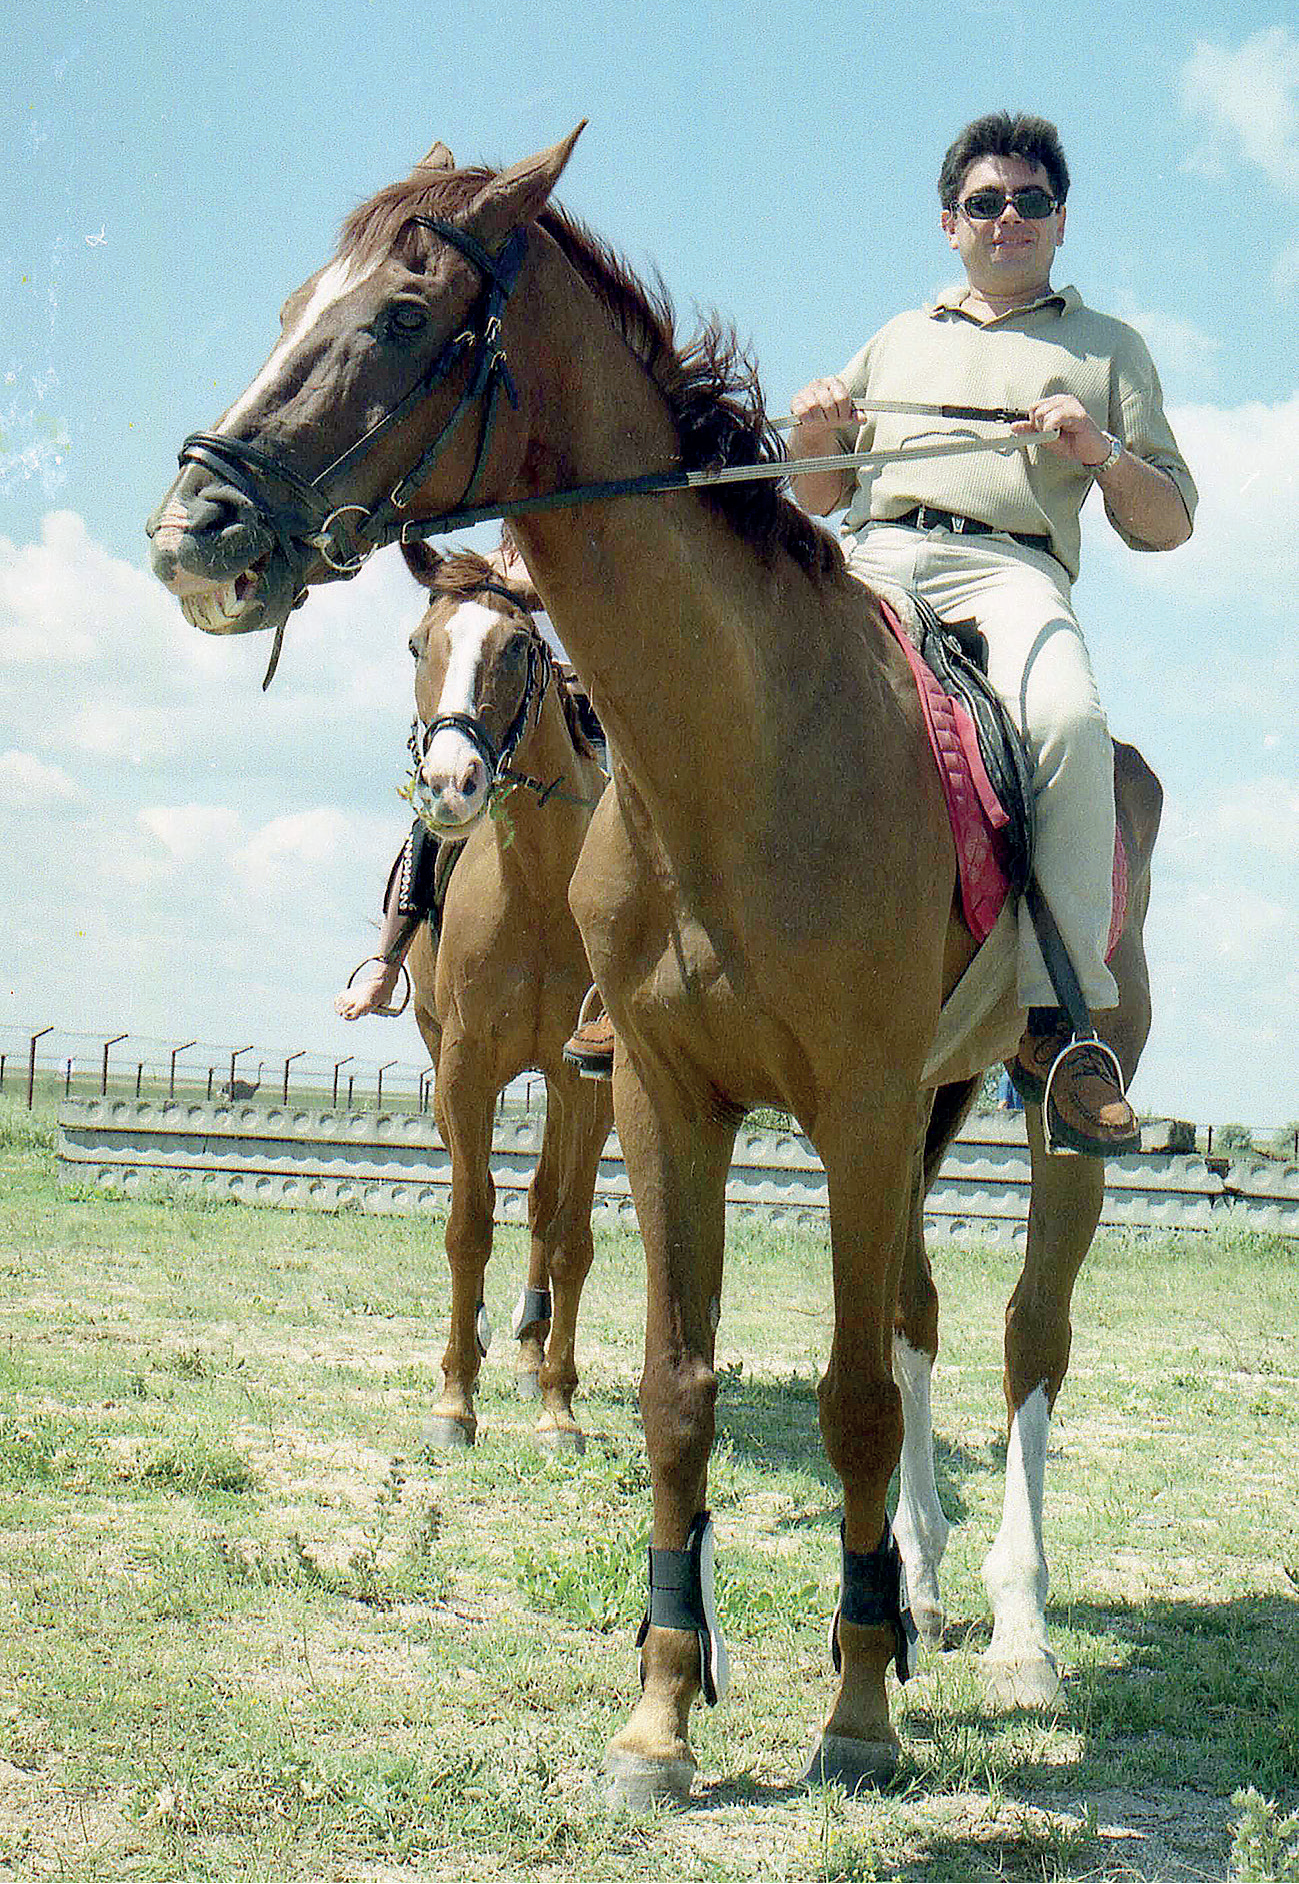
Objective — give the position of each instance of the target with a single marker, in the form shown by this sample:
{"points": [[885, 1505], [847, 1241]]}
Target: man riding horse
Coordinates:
{"points": [[995, 537]]}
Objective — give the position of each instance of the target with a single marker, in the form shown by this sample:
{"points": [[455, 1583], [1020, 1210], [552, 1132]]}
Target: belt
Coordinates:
{"points": [[925, 517]]}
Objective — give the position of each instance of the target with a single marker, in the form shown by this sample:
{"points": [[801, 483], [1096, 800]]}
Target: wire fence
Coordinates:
{"points": [[40, 1065]]}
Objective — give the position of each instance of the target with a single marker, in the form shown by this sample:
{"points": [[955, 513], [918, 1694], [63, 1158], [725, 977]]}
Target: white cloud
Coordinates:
{"points": [[26, 783], [1249, 97], [56, 594], [1262, 815], [189, 831], [100, 671], [1181, 348], [311, 855], [1245, 548], [1285, 271], [310, 835]]}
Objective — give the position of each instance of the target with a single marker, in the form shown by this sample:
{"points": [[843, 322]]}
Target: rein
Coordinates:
{"points": [[658, 483]]}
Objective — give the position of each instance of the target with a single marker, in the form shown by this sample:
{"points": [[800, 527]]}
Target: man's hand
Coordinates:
{"points": [[1143, 499], [824, 410], [1077, 436]]}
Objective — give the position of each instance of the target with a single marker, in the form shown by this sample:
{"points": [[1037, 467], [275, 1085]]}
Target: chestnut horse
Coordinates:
{"points": [[503, 765], [767, 892]]}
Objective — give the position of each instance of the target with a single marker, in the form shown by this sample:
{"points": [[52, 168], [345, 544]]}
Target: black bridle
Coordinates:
{"points": [[309, 513]]}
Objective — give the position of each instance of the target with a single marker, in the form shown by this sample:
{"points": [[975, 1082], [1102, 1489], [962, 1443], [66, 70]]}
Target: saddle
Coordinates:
{"points": [[985, 772]]}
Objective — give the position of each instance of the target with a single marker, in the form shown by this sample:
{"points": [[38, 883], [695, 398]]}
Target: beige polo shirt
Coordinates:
{"points": [[943, 355]]}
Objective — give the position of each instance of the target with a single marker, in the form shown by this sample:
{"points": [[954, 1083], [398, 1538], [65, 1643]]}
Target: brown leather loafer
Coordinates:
{"points": [[1087, 1109], [590, 1048], [1038, 1053]]}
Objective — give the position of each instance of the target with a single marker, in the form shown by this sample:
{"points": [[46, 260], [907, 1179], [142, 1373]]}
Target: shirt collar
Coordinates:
{"points": [[953, 300]]}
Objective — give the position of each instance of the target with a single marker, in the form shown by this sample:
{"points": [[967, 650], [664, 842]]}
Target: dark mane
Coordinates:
{"points": [[710, 385]]}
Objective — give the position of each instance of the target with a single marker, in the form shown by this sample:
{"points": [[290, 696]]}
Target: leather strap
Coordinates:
{"points": [[873, 1590]]}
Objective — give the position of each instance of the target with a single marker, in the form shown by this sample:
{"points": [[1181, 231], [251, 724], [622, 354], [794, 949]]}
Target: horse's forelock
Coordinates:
{"points": [[374, 228]]}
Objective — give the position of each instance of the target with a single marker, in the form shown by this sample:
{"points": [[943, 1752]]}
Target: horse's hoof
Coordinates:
{"points": [[641, 1784], [1029, 1683], [444, 1434], [528, 1384], [563, 1439], [856, 1765]]}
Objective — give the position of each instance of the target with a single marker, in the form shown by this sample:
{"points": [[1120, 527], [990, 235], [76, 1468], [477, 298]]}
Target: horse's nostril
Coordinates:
{"points": [[208, 514]]}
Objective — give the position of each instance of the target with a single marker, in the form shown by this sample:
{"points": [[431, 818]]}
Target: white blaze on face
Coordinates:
{"points": [[339, 279], [451, 759]]}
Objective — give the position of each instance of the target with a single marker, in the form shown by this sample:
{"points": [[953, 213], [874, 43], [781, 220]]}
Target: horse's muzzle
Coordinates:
{"points": [[212, 550]]}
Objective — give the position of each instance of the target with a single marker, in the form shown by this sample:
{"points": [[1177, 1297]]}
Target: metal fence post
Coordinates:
{"points": [[31, 1064], [103, 1082], [171, 1077]]}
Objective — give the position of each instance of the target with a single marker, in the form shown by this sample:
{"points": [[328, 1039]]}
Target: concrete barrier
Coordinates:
{"points": [[395, 1163]]}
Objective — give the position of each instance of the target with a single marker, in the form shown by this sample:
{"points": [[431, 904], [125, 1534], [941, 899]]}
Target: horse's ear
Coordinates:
{"points": [[439, 158], [519, 193], [422, 560], [522, 586]]}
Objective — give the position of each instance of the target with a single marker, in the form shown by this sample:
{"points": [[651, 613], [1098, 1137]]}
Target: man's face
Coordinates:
{"points": [[1010, 257]]}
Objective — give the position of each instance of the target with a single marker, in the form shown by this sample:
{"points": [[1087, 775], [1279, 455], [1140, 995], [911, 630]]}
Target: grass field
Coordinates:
{"points": [[249, 1631]]}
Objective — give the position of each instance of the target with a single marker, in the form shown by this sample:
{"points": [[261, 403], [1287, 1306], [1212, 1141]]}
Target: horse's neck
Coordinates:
{"points": [[654, 598], [541, 838]]}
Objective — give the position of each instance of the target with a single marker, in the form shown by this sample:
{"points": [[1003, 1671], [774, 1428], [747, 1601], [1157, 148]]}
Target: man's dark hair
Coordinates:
{"points": [[1004, 134]]}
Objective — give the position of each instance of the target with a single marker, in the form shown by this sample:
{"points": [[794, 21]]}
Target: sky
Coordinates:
{"points": [[185, 857]]}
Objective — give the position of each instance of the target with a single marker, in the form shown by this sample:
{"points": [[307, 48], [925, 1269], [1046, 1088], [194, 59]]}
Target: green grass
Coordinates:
{"points": [[251, 1630]]}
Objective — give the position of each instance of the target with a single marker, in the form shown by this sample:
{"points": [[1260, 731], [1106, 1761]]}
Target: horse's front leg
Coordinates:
{"points": [[869, 1172], [1019, 1668], [677, 1159], [535, 1306], [464, 1102], [919, 1525], [577, 1124]]}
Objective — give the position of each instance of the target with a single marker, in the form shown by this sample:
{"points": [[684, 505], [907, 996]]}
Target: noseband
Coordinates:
{"points": [[495, 758], [343, 534]]}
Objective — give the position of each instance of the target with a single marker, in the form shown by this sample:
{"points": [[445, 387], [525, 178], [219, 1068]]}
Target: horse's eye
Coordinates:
{"points": [[405, 319]]}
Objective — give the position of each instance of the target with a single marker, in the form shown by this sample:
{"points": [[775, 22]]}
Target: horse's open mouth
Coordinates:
{"points": [[233, 608]]}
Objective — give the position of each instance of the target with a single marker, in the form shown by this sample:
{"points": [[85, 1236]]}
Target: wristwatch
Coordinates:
{"points": [[1111, 457]]}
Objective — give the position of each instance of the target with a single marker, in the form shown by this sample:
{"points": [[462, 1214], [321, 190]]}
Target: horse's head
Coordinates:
{"points": [[481, 671], [377, 405]]}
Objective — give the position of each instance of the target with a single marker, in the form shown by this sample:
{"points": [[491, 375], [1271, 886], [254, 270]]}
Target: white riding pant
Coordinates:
{"points": [[1038, 663]]}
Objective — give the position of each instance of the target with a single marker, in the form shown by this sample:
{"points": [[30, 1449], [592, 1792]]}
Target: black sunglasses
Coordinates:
{"points": [[1033, 203]]}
